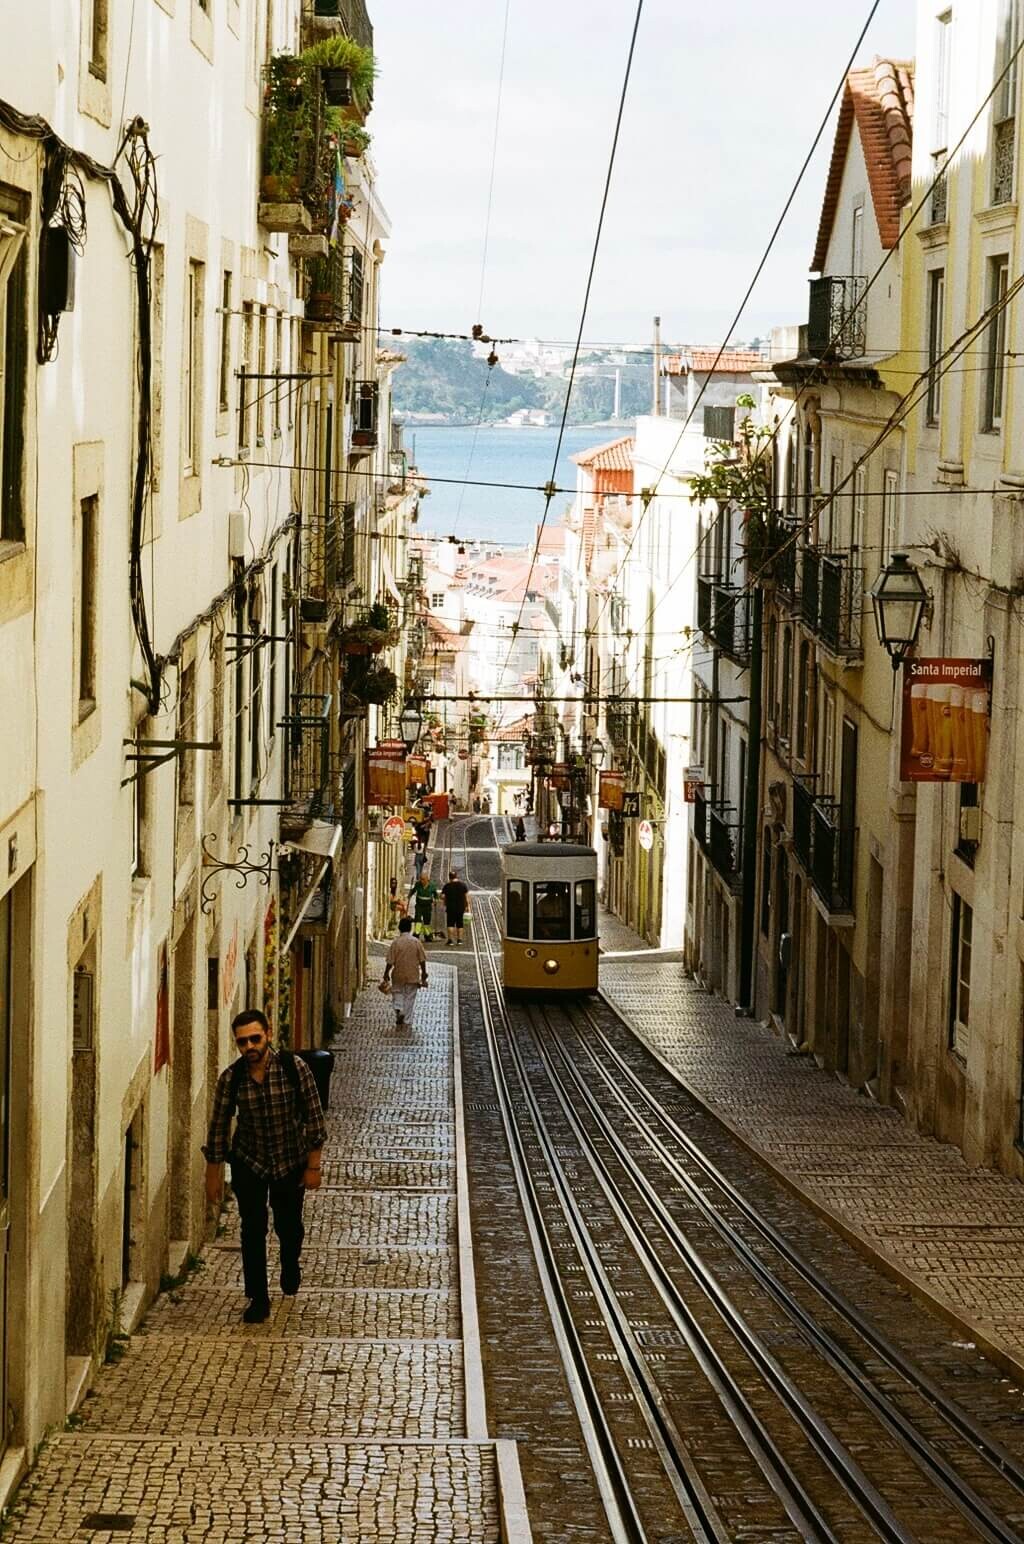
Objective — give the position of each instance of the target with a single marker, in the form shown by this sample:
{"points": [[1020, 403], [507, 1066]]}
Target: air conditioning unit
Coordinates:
{"points": [[970, 824]]}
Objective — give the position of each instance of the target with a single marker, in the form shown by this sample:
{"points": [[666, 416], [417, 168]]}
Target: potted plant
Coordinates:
{"points": [[355, 140], [374, 684], [343, 56], [371, 633], [292, 114]]}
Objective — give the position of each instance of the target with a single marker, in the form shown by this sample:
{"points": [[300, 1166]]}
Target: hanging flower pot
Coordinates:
{"points": [[337, 85]]}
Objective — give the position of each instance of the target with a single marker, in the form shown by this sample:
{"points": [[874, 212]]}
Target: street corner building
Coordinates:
{"points": [[205, 501]]}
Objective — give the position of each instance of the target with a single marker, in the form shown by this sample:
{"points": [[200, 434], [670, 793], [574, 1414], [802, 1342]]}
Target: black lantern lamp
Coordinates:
{"points": [[898, 599], [410, 724], [596, 754]]}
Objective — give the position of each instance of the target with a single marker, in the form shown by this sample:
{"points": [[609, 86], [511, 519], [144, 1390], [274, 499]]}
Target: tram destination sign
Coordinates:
{"points": [[945, 720]]}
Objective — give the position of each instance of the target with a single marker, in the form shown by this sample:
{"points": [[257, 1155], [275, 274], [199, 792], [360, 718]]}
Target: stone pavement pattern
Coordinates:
{"points": [[955, 1233], [342, 1417]]}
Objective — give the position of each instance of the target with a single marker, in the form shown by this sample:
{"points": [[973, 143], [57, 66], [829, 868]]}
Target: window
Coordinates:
{"points": [[786, 685], [828, 520], [98, 40], [278, 371], [771, 670], [214, 759], [995, 348], [156, 334], [243, 385], [187, 731], [804, 700], [860, 484], [1004, 104], [890, 517], [13, 363], [857, 242], [961, 945], [585, 919], [193, 368], [828, 742], [766, 882], [140, 866], [722, 778], [936, 308], [437, 601], [517, 908], [551, 909], [224, 381], [272, 649], [261, 371], [256, 704], [88, 535]]}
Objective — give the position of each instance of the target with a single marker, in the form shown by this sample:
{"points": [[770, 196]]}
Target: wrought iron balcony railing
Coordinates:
{"points": [[336, 289], [831, 598], [365, 403], [326, 557], [824, 847], [705, 603], [716, 836], [322, 17], [803, 805], [731, 623], [837, 317], [307, 752]]}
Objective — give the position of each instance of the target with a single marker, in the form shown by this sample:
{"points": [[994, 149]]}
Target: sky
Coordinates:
{"points": [[723, 103]]}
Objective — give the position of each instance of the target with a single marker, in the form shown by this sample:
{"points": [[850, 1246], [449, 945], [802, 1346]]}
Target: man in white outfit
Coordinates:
{"points": [[406, 971]]}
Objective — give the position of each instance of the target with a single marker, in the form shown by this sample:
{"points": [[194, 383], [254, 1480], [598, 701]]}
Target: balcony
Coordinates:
{"points": [[731, 624], [322, 18], [717, 839], [297, 160], [784, 562], [326, 558], [836, 318], [335, 300], [831, 599], [307, 753], [705, 603], [618, 718], [365, 403], [824, 847]]}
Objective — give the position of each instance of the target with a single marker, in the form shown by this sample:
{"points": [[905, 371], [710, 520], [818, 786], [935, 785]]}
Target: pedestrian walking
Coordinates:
{"points": [[423, 894], [456, 899], [274, 1153], [405, 971], [520, 829], [419, 861]]}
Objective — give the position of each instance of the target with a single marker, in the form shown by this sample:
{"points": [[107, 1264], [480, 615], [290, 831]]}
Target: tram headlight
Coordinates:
{"points": [[551, 967]]}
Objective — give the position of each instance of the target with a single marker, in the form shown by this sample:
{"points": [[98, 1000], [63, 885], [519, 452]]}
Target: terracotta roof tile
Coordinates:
{"points": [[517, 730], [880, 100], [612, 457], [733, 361]]}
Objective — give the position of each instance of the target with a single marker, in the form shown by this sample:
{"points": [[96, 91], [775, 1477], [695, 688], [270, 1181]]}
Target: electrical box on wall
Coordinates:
{"points": [[237, 533], [57, 261]]}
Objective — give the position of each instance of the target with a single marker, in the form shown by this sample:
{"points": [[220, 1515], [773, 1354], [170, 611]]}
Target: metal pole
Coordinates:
{"points": [[656, 369], [751, 810]]}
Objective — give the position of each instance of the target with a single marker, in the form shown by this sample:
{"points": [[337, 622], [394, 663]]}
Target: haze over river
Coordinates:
{"points": [[501, 456]]}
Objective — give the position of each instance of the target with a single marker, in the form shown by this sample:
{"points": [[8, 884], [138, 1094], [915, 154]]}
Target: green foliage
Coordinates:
{"points": [[741, 476], [292, 112], [355, 139], [344, 53]]}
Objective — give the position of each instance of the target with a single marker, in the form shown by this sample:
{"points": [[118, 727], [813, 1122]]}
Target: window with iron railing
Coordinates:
{"points": [[836, 317], [1004, 104]]}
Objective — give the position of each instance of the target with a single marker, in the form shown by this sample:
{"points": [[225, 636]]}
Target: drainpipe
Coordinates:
{"points": [[751, 809]]}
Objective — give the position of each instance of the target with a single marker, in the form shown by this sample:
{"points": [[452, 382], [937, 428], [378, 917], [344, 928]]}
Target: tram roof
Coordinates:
{"points": [[549, 850]]}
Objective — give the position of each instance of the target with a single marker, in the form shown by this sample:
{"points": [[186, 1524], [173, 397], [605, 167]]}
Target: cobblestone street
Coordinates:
{"points": [[356, 1411], [953, 1233]]}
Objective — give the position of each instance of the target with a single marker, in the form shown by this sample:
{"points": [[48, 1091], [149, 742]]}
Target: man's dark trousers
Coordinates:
{"points": [[252, 1191]]}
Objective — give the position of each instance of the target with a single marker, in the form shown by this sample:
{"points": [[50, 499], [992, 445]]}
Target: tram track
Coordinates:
{"points": [[544, 1090]]}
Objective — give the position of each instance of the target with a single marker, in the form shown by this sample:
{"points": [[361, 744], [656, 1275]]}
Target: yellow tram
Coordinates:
{"points": [[549, 930]]}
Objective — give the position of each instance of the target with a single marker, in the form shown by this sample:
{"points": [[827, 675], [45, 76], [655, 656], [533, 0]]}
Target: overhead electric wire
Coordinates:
{"points": [[549, 495]]}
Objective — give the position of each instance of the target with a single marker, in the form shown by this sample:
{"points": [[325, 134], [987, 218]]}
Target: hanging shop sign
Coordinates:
{"points": [[946, 706], [611, 787], [645, 835], [560, 777], [631, 806], [385, 773], [393, 830], [693, 782], [417, 771]]}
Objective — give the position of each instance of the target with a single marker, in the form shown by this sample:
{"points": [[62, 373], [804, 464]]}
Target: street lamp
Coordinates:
{"points": [[596, 754], [898, 599], [410, 724]]}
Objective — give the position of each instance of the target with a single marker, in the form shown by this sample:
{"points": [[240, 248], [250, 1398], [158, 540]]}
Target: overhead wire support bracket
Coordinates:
{"points": [[149, 754]]}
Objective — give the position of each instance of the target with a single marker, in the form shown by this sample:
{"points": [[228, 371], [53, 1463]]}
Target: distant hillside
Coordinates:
{"points": [[444, 381]]}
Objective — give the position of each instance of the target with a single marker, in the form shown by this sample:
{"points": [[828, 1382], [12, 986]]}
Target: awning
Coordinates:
{"points": [[322, 840]]}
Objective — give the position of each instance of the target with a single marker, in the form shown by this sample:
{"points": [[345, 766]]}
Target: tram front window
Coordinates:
{"points": [[517, 908], [551, 903], [585, 919]]}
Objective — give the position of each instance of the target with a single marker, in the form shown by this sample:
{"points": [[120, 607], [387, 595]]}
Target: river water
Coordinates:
{"points": [[500, 456]]}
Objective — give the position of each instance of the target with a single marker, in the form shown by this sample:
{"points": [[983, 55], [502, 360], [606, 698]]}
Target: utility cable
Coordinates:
{"points": [[550, 492]]}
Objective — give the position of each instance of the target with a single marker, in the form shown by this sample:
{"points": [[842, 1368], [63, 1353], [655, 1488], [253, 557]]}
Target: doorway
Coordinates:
{"points": [[782, 934], [132, 1225], [82, 1287], [182, 1146]]}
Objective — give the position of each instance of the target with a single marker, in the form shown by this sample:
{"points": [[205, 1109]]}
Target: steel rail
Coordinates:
{"points": [[932, 1463], [956, 1417], [797, 1504], [821, 1438], [617, 1499]]}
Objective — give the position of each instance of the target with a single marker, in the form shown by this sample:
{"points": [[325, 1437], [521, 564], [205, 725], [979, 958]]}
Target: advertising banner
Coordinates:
{"points": [[385, 775], [559, 777], [610, 789], [945, 720], [417, 770], [693, 782]]}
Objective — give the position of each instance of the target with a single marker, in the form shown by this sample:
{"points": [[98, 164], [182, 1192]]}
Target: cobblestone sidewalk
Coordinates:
{"points": [[955, 1234], [344, 1417]]}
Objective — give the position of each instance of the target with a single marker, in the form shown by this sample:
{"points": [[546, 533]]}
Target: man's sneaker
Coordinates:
{"points": [[257, 1312], [291, 1281]]}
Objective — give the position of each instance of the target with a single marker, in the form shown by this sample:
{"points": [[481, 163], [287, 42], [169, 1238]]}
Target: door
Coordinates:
{"points": [[847, 811], [785, 942]]}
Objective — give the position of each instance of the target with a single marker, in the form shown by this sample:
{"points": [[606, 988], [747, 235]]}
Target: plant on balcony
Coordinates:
{"points": [[355, 140], [292, 120], [337, 57], [742, 477], [370, 634], [374, 683]]}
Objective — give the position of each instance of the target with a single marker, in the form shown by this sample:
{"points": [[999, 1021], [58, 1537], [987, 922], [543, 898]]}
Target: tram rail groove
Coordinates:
{"points": [[797, 1504], [949, 1410], [929, 1461]]}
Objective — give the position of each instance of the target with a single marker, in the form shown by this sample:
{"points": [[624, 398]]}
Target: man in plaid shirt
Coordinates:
{"points": [[274, 1155]]}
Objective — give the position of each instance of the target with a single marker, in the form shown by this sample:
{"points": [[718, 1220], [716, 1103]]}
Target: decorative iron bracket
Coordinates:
{"points": [[242, 868]]}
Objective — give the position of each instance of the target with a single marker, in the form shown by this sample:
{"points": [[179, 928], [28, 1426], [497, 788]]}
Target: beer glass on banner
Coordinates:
{"points": [[962, 750], [940, 726], [920, 741], [977, 719]]}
